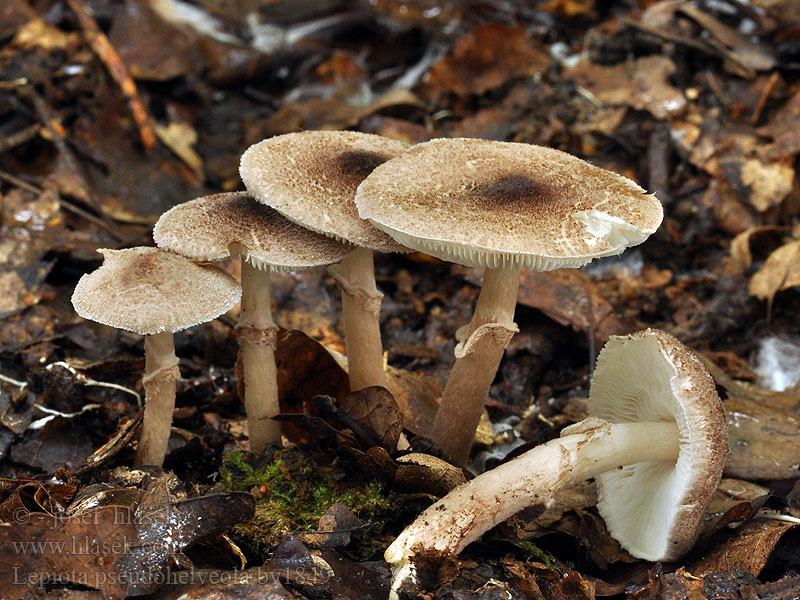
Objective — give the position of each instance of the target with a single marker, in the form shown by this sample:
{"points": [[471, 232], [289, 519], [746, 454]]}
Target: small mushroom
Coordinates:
{"points": [[503, 206], [311, 178], [154, 293], [656, 444], [216, 227]]}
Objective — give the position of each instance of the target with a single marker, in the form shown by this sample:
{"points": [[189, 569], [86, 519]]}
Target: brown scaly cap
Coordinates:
{"points": [[311, 178], [205, 228], [655, 508], [148, 291], [499, 204]]}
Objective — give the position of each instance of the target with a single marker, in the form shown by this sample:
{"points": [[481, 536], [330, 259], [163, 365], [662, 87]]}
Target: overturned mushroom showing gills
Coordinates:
{"points": [[154, 293], [505, 207], [216, 227], [311, 178], [656, 443]]}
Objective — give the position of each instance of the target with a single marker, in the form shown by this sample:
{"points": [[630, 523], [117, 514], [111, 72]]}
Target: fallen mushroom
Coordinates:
{"points": [[154, 293], [503, 206], [656, 444], [311, 178], [216, 227]]}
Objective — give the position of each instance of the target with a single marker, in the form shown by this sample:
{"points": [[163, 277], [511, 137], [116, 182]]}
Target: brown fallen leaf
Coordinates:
{"points": [[642, 84], [119, 550], [762, 439], [485, 59], [782, 128], [748, 549], [740, 256], [417, 395], [374, 413], [570, 298], [779, 272]]}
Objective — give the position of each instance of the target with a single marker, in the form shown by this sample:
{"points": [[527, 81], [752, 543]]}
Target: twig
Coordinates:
{"points": [[88, 381], [762, 99], [20, 137], [109, 57]]}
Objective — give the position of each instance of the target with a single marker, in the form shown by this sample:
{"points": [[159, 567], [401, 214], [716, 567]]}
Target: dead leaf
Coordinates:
{"points": [[335, 528], [180, 137], [642, 84], [306, 369], [762, 440], [779, 272], [769, 182], [741, 257], [747, 549], [484, 59], [417, 396], [570, 298], [782, 128], [425, 473], [119, 550], [374, 414]]}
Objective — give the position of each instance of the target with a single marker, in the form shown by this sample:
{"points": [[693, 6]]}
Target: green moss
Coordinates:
{"points": [[535, 552], [293, 493]]}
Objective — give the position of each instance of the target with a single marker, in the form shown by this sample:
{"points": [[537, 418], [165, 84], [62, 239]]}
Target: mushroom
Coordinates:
{"points": [[311, 178], [503, 206], [656, 444], [154, 293], [216, 227]]}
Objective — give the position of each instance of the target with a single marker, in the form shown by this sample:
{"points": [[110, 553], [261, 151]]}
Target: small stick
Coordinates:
{"points": [[762, 99], [106, 53]]}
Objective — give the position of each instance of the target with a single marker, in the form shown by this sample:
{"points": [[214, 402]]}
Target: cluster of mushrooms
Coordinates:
{"points": [[655, 441]]}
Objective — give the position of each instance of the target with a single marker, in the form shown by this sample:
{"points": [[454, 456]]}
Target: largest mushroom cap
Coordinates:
{"points": [[500, 204], [654, 508], [311, 178], [148, 291], [205, 228]]}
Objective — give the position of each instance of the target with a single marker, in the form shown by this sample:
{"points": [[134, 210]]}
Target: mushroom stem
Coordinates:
{"points": [[531, 479], [361, 305], [478, 354], [257, 338], [160, 373]]}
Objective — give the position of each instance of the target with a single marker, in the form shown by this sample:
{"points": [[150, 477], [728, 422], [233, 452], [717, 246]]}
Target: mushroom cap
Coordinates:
{"points": [[654, 508], [494, 204], [211, 227], [311, 178], [148, 291]]}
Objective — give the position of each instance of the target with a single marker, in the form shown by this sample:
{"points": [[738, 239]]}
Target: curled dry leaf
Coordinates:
{"points": [[779, 272]]}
